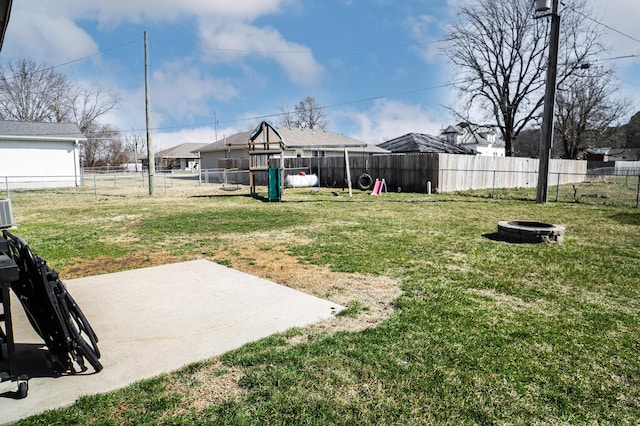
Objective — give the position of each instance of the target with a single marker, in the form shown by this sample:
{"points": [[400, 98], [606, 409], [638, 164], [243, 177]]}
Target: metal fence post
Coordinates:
{"points": [[638, 194], [6, 184], [493, 189], [558, 188]]}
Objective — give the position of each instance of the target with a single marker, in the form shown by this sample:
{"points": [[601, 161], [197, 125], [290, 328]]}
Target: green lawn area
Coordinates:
{"points": [[484, 332]]}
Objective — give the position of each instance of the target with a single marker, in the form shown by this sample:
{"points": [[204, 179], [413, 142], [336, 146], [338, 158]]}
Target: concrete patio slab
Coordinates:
{"points": [[155, 320]]}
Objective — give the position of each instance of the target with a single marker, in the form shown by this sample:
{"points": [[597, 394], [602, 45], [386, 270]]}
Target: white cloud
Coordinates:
{"points": [[181, 90], [163, 140], [388, 119], [238, 40], [113, 12], [43, 33]]}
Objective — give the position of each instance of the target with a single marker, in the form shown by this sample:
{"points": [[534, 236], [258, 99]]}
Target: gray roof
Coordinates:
{"points": [[473, 134], [185, 150], [237, 141], [40, 130], [297, 138], [419, 142]]}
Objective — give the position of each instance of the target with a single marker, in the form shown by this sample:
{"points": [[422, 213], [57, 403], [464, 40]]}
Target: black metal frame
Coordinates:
{"points": [[50, 309], [53, 313], [8, 274]]}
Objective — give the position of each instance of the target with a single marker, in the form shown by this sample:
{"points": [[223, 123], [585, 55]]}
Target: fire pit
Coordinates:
{"points": [[530, 232]]}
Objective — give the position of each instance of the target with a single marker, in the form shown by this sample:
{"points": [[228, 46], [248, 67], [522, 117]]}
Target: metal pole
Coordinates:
{"points": [[558, 188], [493, 190], [546, 136], [152, 164], [638, 195]]}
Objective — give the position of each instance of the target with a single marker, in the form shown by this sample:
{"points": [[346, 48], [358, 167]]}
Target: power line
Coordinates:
{"points": [[615, 58], [322, 107], [602, 23], [73, 61], [302, 51], [100, 52]]}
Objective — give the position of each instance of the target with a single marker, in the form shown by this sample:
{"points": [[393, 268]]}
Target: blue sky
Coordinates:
{"points": [[375, 63]]}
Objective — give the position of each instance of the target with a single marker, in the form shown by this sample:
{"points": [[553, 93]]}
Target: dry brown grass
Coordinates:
{"points": [[213, 382]]}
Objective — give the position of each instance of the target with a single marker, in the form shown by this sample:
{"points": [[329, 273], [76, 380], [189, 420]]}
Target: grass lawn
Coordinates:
{"points": [[479, 330]]}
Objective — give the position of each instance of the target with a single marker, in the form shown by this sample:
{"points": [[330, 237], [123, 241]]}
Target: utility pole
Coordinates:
{"points": [[150, 157], [546, 135]]}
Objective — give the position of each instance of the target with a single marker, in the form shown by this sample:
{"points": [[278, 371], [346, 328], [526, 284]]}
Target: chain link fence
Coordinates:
{"points": [[604, 187], [615, 187]]}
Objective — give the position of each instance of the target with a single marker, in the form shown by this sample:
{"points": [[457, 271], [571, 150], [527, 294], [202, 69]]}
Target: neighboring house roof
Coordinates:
{"points": [[629, 153], [474, 134], [419, 142], [294, 138], [233, 142], [130, 157], [185, 150], [40, 130]]}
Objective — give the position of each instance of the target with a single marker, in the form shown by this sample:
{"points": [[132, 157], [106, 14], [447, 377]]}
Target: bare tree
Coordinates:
{"points": [[135, 142], [103, 147], [633, 131], [310, 115], [37, 92], [92, 102], [33, 92], [587, 109], [307, 114], [498, 50], [285, 117]]}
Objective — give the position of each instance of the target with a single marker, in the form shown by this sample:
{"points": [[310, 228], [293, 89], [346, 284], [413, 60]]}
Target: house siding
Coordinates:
{"points": [[33, 164]]}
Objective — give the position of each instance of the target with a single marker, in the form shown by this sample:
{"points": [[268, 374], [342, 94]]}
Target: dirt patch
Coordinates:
{"points": [[212, 384], [217, 383], [374, 293], [106, 265]]}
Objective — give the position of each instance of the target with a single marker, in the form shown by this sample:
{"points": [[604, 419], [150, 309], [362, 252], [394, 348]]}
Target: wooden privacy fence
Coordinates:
{"points": [[440, 172], [419, 172]]}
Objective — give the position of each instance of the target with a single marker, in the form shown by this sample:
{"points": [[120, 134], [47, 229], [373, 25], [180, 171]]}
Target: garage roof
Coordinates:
{"points": [[40, 130]]}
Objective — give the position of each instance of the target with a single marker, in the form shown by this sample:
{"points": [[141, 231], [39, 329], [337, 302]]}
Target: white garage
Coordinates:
{"points": [[38, 155]]}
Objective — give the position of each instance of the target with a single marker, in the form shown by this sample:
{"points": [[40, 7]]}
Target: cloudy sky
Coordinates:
{"points": [[219, 66]]}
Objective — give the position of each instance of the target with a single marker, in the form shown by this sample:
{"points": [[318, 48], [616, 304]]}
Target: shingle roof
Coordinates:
{"points": [[185, 150], [237, 141], [473, 134], [40, 130], [296, 138], [419, 142]]}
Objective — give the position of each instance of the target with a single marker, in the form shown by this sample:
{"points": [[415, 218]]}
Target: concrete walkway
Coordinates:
{"points": [[154, 320]]}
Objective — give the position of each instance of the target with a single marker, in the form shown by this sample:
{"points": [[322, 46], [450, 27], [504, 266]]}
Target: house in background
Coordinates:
{"points": [[297, 143], [132, 162], [609, 154], [181, 157], [483, 140], [38, 154], [422, 143]]}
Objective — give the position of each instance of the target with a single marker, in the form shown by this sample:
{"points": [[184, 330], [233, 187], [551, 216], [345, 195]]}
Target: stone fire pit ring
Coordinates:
{"points": [[530, 232]]}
